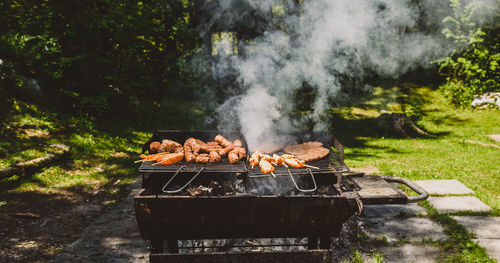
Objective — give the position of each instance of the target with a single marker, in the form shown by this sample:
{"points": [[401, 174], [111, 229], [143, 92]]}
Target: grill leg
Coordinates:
{"points": [[312, 242], [156, 246], [325, 242], [172, 246]]}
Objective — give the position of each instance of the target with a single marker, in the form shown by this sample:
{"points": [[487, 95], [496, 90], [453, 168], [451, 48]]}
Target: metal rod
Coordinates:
{"points": [[422, 194], [304, 190], [182, 188]]}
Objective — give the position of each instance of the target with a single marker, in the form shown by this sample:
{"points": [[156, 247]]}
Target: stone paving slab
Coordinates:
{"points": [[492, 247], [410, 254], [379, 211], [113, 237], [458, 203], [495, 137], [444, 187], [482, 226], [395, 229]]}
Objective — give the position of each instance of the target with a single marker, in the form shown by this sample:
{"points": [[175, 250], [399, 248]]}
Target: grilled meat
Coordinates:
{"points": [[202, 158], [222, 141], [154, 146], [170, 158], [237, 143], [170, 146], [233, 157], [214, 157], [266, 167], [226, 150], [309, 151]]}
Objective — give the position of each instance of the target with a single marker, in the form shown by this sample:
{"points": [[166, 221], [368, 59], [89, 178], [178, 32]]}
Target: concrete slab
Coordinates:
{"points": [[410, 254], [444, 187], [401, 211], [495, 137], [395, 229], [458, 203], [492, 247], [482, 226]]}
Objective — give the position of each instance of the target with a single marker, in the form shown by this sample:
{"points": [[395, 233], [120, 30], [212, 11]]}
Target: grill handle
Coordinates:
{"points": [[182, 188], [422, 194], [304, 190]]}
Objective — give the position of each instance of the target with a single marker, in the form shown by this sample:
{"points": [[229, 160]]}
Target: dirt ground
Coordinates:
{"points": [[34, 227]]}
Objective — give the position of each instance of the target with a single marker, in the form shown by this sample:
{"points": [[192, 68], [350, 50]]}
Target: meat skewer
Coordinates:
{"points": [[170, 158], [279, 160], [254, 159], [151, 157], [297, 163], [266, 167]]}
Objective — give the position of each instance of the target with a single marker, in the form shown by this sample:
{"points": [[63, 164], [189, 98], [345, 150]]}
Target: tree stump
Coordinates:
{"points": [[401, 124]]}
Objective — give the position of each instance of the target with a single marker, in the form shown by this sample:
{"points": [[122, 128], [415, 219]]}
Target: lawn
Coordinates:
{"points": [[101, 166], [448, 156]]}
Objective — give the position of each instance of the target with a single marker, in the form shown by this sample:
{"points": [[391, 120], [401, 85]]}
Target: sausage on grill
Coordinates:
{"points": [[214, 157], [237, 143], [226, 150], [222, 141], [203, 158], [233, 157]]}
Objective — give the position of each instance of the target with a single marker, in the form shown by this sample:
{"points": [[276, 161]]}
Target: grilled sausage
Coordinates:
{"points": [[237, 143], [222, 141], [203, 158], [213, 144], [226, 150], [214, 157], [233, 157]]}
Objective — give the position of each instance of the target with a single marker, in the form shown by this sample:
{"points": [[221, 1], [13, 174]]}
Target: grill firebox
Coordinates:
{"points": [[252, 213]]}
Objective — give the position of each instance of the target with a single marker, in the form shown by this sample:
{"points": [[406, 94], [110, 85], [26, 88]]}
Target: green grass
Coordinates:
{"points": [[98, 158], [447, 156], [444, 157]]}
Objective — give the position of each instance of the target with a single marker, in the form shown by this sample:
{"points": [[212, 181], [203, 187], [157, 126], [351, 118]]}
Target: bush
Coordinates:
{"points": [[472, 67]]}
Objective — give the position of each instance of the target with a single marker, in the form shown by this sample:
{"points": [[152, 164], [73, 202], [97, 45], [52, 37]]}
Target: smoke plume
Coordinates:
{"points": [[323, 43]]}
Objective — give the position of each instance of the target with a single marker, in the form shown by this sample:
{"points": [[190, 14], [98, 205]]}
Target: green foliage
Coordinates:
{"points": [[98, 57], [471, 68]]}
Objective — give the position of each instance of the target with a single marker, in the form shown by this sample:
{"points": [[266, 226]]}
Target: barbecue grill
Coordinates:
{"points": [[311, 203]]}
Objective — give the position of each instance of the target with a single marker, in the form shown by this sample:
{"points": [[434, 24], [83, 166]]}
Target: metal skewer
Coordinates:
{"points": [[310, 166]]}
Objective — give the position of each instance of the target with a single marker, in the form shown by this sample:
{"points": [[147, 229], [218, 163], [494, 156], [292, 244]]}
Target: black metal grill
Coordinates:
{"points": [[318, 215]]}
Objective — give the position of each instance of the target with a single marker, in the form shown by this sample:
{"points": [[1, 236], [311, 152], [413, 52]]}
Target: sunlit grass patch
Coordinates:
{"points": [[445, 157], [57, 177]]}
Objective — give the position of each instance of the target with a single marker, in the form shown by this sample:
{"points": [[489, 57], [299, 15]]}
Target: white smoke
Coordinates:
{"points": [[326, 39]]}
